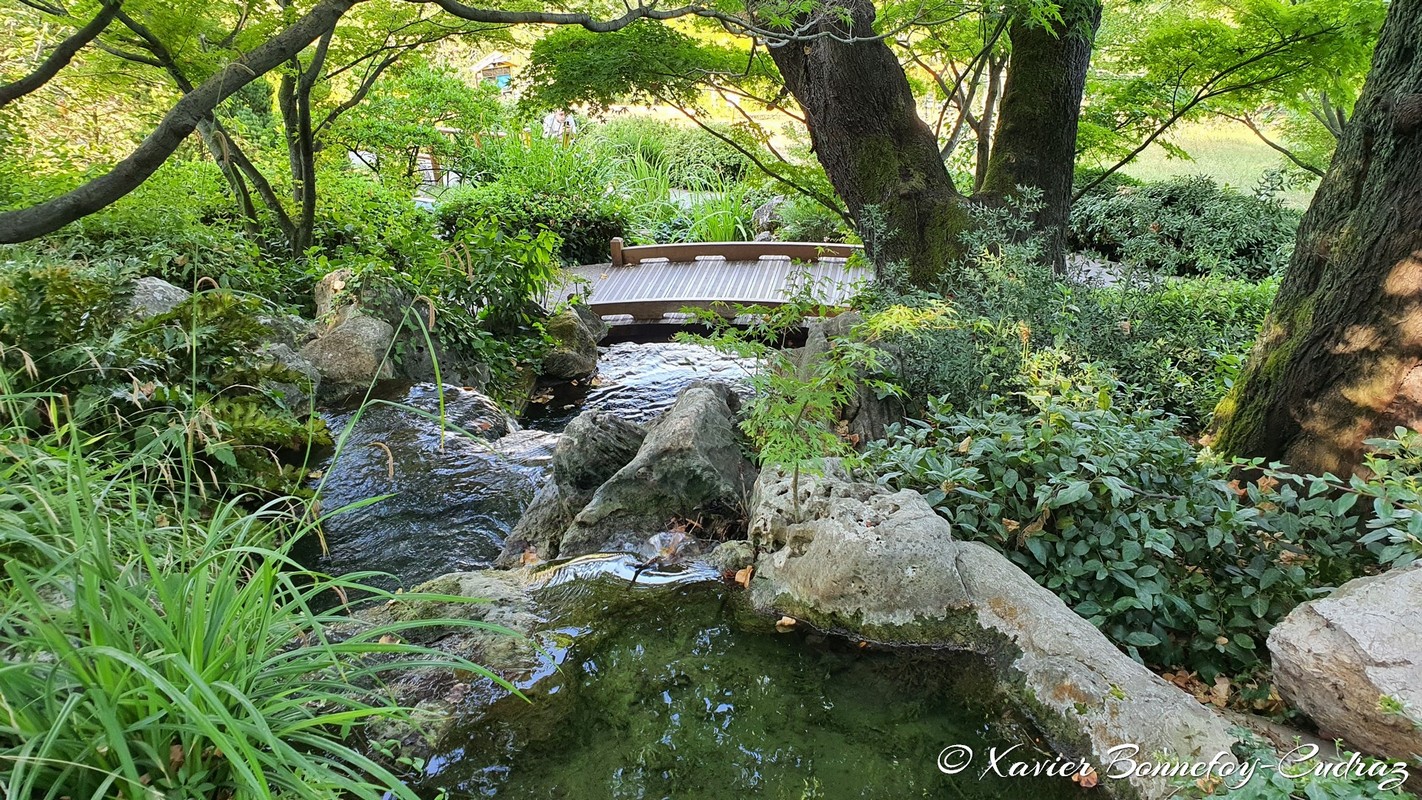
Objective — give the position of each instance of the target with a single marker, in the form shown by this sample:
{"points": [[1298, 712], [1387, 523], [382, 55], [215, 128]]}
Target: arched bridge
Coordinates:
{"points": [[647, 283]]}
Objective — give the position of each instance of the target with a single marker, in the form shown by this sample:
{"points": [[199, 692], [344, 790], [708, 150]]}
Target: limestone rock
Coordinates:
{"points": [[850, 556], [352, 355], [1336, 657], [766, 217], [295, 395], [691, 465], [155, 296], [866, 415]]}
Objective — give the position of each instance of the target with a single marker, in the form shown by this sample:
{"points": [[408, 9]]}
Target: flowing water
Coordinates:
{"points": [[638, 382], [659, 688]]}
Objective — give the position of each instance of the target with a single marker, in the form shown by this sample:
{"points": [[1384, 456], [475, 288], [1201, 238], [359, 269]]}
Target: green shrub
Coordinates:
{"points": [[1186, 226], [806, 220], [181, 224], [1114, 512], [197, 367], [1177, 342], [585, 223]]}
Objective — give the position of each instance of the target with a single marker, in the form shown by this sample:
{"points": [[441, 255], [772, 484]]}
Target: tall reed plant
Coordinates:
{"points": [[154, 643]]}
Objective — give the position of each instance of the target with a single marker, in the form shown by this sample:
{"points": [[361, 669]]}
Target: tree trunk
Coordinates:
{"points": [[864, 128], [1340, 356], [1035, 143]]}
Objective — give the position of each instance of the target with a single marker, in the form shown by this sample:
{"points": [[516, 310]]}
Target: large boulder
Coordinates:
{"points": [[593, 447], [155, 296], [1344, 659], [766, 217], [574, 351], [852, 557], [351, 356], [340, 297], [866, 415], [298, 393], [692, 465]]}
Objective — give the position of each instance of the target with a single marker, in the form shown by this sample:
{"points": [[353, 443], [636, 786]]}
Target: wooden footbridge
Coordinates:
{"points": [[653, 283]]}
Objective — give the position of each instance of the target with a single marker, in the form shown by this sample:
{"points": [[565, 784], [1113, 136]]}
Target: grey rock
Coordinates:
{"points": [[866, 415], [297, 394], [1336, 657], [593, 447], [289, 329], [732, 556], [155, 296], [853, 557], [766, 217], [574, 351], [592, 321], [423, 359], [330, 295], [351, 356], [692, 465]]}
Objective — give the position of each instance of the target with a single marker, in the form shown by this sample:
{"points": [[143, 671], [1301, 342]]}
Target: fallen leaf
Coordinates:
{"points": [[388, 639], [964, 445], [1087, 778], [175, 757], [786, 624], [529, 558], [743, 576]]}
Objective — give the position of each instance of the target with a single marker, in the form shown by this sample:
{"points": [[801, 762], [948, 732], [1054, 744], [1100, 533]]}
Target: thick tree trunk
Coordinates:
{"points": [[1035, 144], [1340, 356], [882, 159]]}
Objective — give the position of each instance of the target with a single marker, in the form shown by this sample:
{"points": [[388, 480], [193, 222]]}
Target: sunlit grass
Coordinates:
{"points": [[1230, 154]]}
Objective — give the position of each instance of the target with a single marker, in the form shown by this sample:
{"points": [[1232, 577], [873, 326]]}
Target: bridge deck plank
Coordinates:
{"points": [[656, 287]]}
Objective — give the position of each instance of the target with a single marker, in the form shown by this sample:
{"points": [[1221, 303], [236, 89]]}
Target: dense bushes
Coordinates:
{"points": [[200, 366], [585, 222], [690, 157], [1185, 226], [1113, 510], [1176, 343]]}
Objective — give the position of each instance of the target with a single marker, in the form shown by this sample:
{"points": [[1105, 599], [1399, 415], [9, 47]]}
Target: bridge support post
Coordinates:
{"points": [[616, 248]]}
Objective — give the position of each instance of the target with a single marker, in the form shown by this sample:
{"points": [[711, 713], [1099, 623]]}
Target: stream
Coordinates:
{"points": [[660, 688]]}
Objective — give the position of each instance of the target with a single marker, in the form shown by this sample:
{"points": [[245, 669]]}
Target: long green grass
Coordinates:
{"points": [[157, 643]]}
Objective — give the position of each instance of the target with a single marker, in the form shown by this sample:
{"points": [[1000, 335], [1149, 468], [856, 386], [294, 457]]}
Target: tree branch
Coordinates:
{"points": [[1287, 153], [61, 56], [180, 121]]}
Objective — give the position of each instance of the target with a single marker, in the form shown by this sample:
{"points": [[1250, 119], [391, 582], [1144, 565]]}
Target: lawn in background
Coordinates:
{"points": [[1231, 154]]}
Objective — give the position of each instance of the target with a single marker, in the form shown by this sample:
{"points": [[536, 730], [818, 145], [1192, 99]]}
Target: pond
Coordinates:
{"points": [[665, 691]]}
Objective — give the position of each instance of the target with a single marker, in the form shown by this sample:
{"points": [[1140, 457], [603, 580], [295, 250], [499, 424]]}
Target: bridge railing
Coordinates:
{"points": [[623, 256]]}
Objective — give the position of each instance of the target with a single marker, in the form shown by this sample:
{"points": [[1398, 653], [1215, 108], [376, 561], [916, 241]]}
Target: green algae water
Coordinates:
{"points": [[668, 691]]}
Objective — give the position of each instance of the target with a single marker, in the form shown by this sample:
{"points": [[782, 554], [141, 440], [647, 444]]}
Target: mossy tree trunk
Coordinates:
{"points": [[1035, 144], [865, 130], [1340, 356], [884, 160]]}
